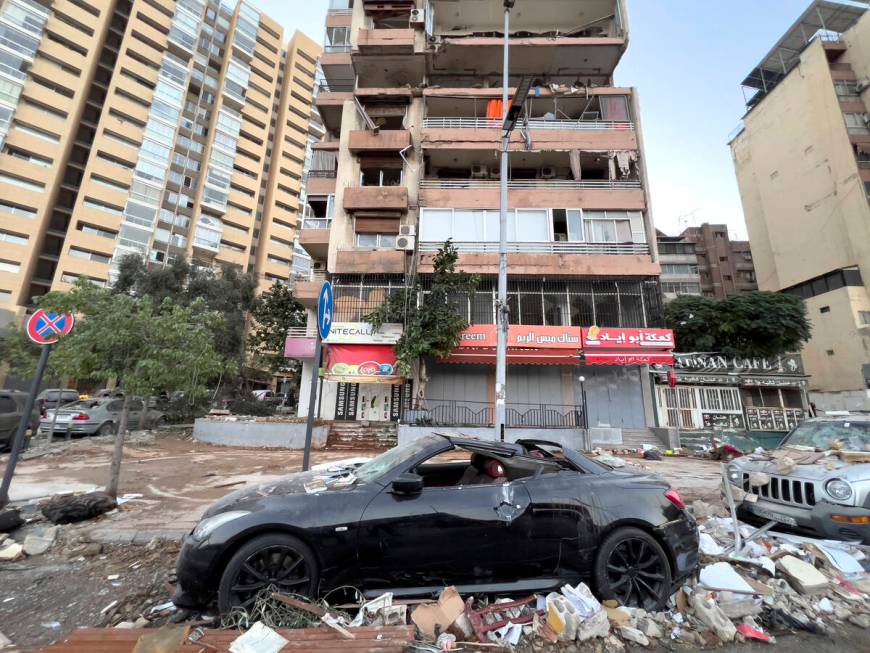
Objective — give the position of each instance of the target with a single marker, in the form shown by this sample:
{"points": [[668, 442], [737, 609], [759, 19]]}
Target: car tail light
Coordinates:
{"points": [[81, 417], [674, 497]]}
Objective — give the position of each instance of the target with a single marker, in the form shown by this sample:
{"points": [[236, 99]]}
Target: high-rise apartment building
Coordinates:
{"points": [[803, 167], [411, 104], [161, 127], [680, 273]]}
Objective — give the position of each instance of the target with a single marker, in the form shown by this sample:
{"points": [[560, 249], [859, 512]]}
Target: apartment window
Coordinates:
{"points": [[5, 296], [676, 248], [825, 309], [10, 266], [113, 161], [88, 255], [66, 277], [13, 65], [278, 260], [20, 211], [726, 277], [864, 318], [96, 231], [679, 269], [381, 176], [681, 288], [608, 227], [37, 133], [846, 88], [102, 206], [117, 138], [723, 259], [26, 184], [856, 123], [468, 225], [376, 241], [14, 239], [108, 183], [27, 156]]}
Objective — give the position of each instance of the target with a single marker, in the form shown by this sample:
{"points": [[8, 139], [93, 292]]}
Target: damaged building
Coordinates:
{"points": [[411, 98]]}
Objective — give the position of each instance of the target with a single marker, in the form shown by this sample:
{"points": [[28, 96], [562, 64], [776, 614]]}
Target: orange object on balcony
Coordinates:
{"points": [[495, 109]]}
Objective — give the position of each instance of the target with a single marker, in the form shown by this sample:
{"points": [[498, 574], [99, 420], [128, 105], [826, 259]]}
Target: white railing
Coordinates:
{"points": [[302, 332], [466, 247], [527, 184], [316, 223], [561, 125]]}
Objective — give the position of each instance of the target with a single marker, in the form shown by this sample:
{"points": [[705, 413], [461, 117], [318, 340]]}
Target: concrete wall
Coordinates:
{"points": [[855, 400], [272, 435]]}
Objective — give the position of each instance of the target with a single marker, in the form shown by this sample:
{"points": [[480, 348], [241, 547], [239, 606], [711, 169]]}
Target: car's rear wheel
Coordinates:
{"points": [[632, 568], [106, 429], [275, 560]]}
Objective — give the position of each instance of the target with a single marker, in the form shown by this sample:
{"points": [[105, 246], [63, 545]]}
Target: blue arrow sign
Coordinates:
{"points": [[324, 310]]}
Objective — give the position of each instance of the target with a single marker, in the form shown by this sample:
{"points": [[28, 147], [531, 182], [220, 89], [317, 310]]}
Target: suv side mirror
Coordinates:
{"points": [[408, 484]]}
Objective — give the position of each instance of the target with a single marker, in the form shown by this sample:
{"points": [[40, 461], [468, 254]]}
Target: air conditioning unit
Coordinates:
{"points": [[548, 172], [479, 172], [405, 243], [862, 85], [407, 230], [318, 265], [495, 173], [418, 18]]}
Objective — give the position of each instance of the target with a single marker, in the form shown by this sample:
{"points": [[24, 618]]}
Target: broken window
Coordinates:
{"points": [[381, 170]]}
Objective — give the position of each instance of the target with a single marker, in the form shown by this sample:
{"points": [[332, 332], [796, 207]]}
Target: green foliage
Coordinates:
{"points": [[226, 292], [146, 347], [20, 355], [248, 405], [432, 324], [755, 324], [274, 312]]}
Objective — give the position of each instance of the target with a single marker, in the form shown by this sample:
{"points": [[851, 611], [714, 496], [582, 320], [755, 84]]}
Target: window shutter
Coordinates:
{"points": [[638, 232]]}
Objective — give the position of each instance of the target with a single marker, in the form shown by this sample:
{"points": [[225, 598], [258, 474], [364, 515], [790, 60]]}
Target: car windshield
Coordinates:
{"points": [[851, 436], [78, 405], [378, 467]]}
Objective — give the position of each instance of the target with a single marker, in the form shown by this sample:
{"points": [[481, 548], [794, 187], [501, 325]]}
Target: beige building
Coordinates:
{"points": [[161, 127], [410, 102], [803, 167]]}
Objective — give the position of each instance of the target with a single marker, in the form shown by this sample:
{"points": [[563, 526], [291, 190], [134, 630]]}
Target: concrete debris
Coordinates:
{"points": [[758, 479], [38, 543], [711, 615], [860, 620], [4, 641], [11, 550], [805, 578], [650, 628], [633, 635]]}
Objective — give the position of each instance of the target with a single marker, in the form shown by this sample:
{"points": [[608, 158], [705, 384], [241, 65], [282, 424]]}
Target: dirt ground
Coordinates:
{"points": [[44, 597]]}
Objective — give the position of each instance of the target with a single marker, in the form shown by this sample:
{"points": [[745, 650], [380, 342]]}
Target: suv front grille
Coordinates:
{"points": [[784, 490]]}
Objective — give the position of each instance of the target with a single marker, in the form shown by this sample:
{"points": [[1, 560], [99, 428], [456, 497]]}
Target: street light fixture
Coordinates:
{"points": [[511, 116]]}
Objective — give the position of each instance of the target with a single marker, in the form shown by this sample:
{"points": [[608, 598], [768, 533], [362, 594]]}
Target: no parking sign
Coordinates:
{"points": [[45, 328]]}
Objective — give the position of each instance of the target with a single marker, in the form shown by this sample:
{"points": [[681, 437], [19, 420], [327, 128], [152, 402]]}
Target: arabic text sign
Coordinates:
{"points": [[790, 365], [606, 338], [523, 337]]}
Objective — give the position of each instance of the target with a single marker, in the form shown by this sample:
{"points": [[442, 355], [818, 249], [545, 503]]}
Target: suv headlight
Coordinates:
{"points": [[207, 526], [734, 475], [839, 490]]}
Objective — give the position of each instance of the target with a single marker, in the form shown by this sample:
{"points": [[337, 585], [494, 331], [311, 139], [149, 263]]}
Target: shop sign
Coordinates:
{"points": [[605, 338], [628, 358], [523, 337], [363, 333], [770, 382], [723, 421], [790, 364], [362, 364], [299, 347]]}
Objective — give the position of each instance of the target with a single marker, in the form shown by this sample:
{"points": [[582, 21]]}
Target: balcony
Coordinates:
{"points": [[306, 287], [377, 261], [377, 199], [385, 140], [314, 237], [330, 99], [559, 247], [386, 41]]}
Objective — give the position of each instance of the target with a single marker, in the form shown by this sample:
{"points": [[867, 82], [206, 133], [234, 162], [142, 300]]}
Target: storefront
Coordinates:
{"points": [[719, 393]]}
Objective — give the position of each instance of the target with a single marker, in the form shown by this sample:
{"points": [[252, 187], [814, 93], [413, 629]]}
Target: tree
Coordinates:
{"points": [[226, 291], [432, 322], [274, 313], [748, 325], [146, 347]]}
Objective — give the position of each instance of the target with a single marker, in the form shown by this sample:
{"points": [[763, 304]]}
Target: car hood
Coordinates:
{"points": [[299, 484], [829, 467]]}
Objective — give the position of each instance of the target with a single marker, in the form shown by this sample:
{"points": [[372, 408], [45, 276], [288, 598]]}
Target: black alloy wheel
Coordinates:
{"points": [[632, 568], [275, 560]]}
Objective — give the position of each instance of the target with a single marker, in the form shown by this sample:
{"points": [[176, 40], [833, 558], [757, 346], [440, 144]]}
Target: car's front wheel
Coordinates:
{"points": [[106, 429], [274, 560], [632, 568]]}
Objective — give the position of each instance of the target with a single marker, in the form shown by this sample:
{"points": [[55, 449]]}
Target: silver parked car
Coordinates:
{"points": [[826, 494], [97, 417]]}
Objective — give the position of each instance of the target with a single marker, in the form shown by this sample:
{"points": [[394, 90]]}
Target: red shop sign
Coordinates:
{"points": [[637, 339], [362, 364], [482, 336]]}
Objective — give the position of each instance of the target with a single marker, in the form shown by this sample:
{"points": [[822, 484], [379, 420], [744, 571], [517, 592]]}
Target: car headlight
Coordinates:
{"points": [[207, 526], [839, 490], [734, 475]]}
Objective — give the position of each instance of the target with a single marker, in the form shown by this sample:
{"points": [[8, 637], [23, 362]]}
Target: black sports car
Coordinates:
{"points": [[488, 517]]}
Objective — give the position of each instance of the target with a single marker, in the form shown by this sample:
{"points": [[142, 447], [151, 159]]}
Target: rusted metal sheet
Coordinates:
{"points": [[374, 639]]}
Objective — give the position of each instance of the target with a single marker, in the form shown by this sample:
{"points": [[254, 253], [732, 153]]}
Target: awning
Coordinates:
{"points": [[361, 364], [628, 358], [515, 356]]}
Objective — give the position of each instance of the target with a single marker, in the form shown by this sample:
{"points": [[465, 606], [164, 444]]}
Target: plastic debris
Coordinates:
{"points": [[259, 639]]}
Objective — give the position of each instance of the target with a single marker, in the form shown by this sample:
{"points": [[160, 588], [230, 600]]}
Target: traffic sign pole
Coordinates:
{"points": [[324, 326], [18, 442]]}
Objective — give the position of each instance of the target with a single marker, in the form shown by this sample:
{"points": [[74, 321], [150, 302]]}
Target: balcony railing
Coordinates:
{"points": [[457, 412], [336, 86], [340, 6], [341, 47], [561, 125], [555, 247], [309, 331], [316, 223], [313, 276], [529, 184]]}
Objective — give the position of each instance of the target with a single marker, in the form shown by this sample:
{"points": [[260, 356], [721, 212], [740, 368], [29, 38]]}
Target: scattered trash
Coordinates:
{"points": [[805, 578], [431, 616], [10, 550], [71, 508], [753, 633], [38, 543]]}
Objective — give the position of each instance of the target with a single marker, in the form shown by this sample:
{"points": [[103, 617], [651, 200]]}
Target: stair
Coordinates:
{"points": [[636, 438], [362, 435]]}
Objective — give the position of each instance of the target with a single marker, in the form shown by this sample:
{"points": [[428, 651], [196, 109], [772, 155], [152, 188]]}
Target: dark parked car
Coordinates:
{"points": [[485, 516], [11, 409], [54, 397]]}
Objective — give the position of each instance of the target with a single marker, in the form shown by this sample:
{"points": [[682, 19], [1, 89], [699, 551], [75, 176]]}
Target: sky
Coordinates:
{"points": [[686, 59]]}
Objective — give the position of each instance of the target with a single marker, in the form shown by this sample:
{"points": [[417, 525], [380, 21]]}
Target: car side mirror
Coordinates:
{"points": [[408, 484]]}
